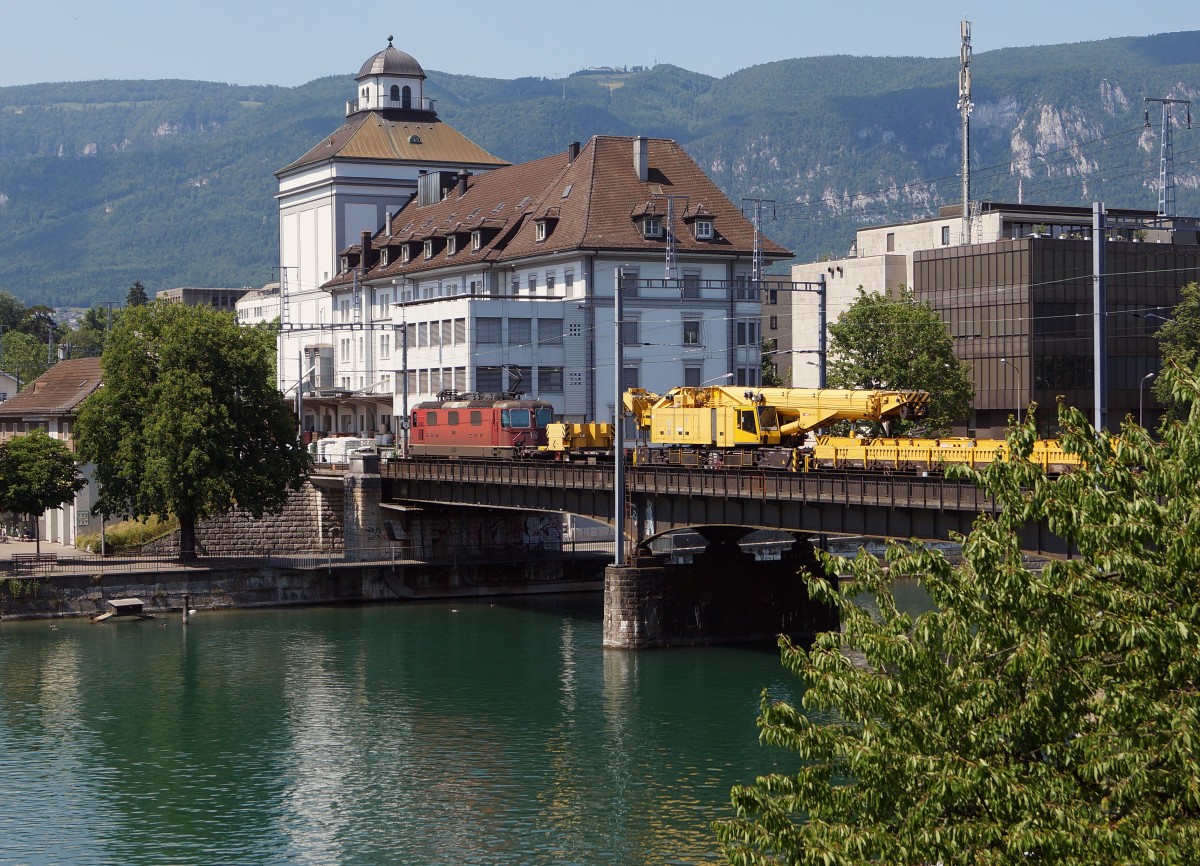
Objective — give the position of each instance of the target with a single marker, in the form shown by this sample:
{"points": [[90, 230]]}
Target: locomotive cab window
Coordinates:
{"points": [[746, 421], [543, 415], [515, 418], [476, 418], [768, 418]]}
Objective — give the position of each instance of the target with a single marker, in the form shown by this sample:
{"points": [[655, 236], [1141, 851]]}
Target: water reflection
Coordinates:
{"points": [[465, 733]]}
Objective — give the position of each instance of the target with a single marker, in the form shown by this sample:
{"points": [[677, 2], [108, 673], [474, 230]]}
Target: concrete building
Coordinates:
{"points": [[51, 403], [1018, 301], [224, 300], [259, 306], [506, 280], [351, 181]]}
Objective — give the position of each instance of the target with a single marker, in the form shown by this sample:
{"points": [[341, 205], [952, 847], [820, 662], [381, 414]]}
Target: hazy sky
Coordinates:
{"points": [[289, 43]]}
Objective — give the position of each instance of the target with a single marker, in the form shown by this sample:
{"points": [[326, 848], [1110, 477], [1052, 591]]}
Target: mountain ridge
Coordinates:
{"points": [[172, 181]]}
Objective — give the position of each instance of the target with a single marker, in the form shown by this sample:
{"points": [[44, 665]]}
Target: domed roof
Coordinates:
{"points": [[391, 61]]}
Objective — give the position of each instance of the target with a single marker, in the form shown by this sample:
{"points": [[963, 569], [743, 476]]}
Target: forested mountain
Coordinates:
{"points": [[171, 182]]}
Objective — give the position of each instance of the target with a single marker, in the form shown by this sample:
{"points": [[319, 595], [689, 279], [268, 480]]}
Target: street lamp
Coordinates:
{"points": [[1141, 391], [724, 377], [1017, 370]]}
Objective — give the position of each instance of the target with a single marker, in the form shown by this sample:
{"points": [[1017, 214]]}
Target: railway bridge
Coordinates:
{"points": [[720, 596]]}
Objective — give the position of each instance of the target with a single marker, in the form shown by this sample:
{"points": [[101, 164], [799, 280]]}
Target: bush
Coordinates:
{"points": [[127, 535]]}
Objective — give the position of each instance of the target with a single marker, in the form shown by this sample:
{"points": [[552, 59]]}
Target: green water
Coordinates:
{"points": [[425, 734]]}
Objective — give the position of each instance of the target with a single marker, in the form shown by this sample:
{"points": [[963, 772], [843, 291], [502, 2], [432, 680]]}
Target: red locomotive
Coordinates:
{"points": [[479, 425]]}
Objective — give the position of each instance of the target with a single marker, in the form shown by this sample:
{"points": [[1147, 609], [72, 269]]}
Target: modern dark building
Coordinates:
{"points": [[1021, 310]]}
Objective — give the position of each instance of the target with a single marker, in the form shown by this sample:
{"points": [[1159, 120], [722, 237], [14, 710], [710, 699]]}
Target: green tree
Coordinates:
{"points": [[896, 343], [188, 422], [1179, 345], [770, 365], [37, 473], [87, 340], [23, 356], [1036, 716], [136, 296]]}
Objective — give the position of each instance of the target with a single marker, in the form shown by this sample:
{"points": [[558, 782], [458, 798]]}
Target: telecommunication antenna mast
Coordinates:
{"points": [[1166, 172], [964, 106]]}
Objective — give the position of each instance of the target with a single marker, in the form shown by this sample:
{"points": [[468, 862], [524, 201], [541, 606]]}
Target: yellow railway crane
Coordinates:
{"points": [[753, 426]]}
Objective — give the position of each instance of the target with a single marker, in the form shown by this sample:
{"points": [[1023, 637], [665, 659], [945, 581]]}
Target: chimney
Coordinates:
{"points": [[572, 151], [364, 259], [641, 158], [463, 174]]}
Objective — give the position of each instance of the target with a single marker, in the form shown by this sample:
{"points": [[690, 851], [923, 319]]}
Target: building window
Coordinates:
{"points": [[406, 98], [945, 236], [691, 332], [568, 281], [515, 287], [704, 230], [651, 227], [550, 380], [774, 323], [385, 345], [489, 379], [487, 329], [550, 332], [549, 282], [629, 332], [520, 332], [405, 253], [476, 240], [691, 285], [429, 249], [451, 245], [629, 282], [541, 230], [691, 377], [395, 93], [891, 242], [631, 377], [746, 331], [532, 283]]}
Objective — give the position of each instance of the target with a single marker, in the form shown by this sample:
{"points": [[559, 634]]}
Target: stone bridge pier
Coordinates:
{"points": [[724, 595]]}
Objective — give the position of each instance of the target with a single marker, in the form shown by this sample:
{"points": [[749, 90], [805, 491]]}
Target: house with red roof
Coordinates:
{"points": [[51, 403], [493, 278]]}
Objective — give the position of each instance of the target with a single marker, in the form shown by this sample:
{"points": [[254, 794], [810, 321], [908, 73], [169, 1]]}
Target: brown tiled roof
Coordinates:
{"points": [[591, 203], [58, 391], [397, 135]]}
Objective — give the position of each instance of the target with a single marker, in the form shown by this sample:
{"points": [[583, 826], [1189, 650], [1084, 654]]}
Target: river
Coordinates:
{"points": [[448, 733]]}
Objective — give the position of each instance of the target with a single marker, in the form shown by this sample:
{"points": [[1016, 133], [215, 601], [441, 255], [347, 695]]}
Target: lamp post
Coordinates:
{"points": [[1141, 393], [724, 377], [1017, 370]]}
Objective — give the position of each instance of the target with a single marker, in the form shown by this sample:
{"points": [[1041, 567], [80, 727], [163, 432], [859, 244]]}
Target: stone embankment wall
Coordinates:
{"points": [[164, 591], [310, 520]]}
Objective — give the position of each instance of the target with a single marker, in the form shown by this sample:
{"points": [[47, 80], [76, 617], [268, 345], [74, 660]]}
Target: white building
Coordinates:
{"points": [[506, 281], [259, 306], [478, 276], [349, 182], [51, 403]]}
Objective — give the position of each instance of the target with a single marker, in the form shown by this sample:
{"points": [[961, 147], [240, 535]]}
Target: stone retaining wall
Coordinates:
{"points": [[164, 591]]}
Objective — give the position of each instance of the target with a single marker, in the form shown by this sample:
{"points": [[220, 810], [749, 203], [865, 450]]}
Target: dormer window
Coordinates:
{"points": [[383, 257], [345, 263], [405, 253], [542, 228], [704, 230], [476, 240], [451, 245], [429, 249], [651, 227]]}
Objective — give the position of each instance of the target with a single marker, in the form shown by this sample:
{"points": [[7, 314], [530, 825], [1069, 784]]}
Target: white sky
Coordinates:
{"points": [[290, 43]]}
